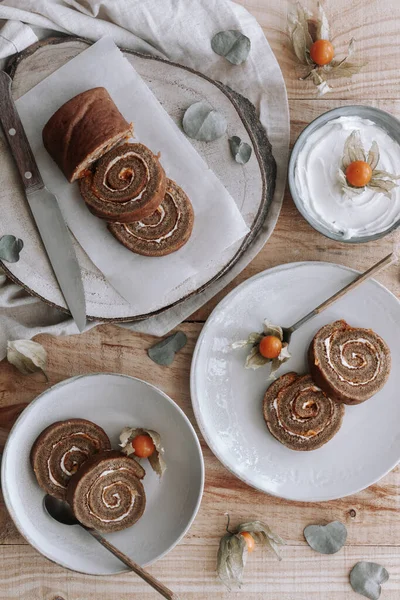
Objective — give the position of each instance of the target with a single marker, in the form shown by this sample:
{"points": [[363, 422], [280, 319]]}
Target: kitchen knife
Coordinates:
{"points": [[44, 207]]}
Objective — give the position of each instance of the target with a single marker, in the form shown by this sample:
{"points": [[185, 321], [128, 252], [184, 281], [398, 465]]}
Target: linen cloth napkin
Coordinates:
{"points": [[180, 31]]}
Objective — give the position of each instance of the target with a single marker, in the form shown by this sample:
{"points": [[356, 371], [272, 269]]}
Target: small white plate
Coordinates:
{"points": [[113, 402], [227, 398]]}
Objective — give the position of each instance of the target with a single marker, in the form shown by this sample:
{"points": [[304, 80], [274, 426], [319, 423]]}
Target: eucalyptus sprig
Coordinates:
{"points": [[380, 181], [304, 32], [255, 359]]}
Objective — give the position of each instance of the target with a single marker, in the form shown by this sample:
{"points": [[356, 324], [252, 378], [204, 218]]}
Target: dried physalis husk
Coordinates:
{"points": [[299, 21], [381, 181], [27, 356], [233, 553], [366, 579], [326, 539], [156, 459], [255, 359]]}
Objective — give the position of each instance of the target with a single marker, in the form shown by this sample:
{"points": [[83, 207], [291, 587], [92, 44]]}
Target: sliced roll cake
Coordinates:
{"points": [[299, 414], [350, 364], [61, 449], [106, 493], [164, 231]]}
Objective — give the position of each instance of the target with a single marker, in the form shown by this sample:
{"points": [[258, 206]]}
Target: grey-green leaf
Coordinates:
{"points": [[241, 151], [10, 248], [231, 559], [163, 353], [232, 44], [366, 579], [326, 539], [202, 122]]}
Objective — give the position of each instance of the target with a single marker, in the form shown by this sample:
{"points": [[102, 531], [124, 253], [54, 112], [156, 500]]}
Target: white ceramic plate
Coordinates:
{"points": [[227, 399], [112, 401]]}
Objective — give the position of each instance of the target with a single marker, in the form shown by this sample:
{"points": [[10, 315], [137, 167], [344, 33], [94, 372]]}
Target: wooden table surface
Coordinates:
{"points": [[372, 517]]}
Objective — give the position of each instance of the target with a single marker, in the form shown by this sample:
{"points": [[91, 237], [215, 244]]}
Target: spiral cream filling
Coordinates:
{"points": [[63, 468], [163, 237], [133, 493], [312, 433], [117, 159], [327, 344]]}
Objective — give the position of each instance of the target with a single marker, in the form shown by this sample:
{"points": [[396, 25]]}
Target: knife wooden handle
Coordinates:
{"points": [[16, 137]]}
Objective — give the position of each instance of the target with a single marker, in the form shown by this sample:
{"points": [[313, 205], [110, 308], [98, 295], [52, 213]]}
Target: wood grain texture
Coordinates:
{"points": [[372, 516]]}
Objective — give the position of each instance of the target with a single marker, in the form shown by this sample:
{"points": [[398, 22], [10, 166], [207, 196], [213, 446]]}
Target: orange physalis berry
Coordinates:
{"points": [[250, 543], [359, 173], [270, 346], [143, 446], [322, 52]]}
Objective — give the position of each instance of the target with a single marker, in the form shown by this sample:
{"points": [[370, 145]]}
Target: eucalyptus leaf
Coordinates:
{"points": [[231, 559], [322, 24], [366, 579], [156, 459], [163, 353], [27, 356], [204, 123], [241, 151], [326, 539], [10, 248], [232, 44], [373, 156], [263, 534]]}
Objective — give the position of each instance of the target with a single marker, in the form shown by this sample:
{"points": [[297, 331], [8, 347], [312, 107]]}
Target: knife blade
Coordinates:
{"points": [[44, 207]]}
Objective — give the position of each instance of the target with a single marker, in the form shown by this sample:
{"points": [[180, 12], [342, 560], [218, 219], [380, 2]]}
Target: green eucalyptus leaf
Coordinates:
{"points": [[241, 151], [263, 534], [326, 539], [373, 156], [202, 122], [163, 353], [231, 559], [10, 247], [232, 44], [366, 579]]}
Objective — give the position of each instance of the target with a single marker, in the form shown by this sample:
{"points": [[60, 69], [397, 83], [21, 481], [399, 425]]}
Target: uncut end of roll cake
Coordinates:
{"points": [[61, 449], [106, 493], [350, 364], [299, 414], [82, 130]]}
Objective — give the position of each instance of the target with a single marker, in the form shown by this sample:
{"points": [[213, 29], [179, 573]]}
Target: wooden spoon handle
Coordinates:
{"points": [[353, 284], [157, 585]]}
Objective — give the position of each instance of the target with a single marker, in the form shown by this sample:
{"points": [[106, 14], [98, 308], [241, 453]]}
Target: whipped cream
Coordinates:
{"points": [[318, 185]]}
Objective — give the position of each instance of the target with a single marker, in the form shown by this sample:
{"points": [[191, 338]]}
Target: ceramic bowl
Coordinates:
{"points": [[383, 119], [113, 402]]}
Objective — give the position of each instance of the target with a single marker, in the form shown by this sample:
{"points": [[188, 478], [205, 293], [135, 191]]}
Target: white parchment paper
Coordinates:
{"points": [[143, 281]]}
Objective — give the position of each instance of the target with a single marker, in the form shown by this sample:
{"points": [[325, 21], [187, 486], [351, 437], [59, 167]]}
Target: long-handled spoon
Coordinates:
{"points": [[61, 512], [287, 331]]}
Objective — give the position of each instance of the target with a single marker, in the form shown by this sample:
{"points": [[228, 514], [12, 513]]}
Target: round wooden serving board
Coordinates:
{"points": [[176, 87]]}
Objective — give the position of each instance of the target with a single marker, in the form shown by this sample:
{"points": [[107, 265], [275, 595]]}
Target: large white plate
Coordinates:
{"points": [[112, 401], [227, 399]]}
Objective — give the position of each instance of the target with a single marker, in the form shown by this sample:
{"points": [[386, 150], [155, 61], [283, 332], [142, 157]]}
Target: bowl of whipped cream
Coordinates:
{"points": [[316, 183]]}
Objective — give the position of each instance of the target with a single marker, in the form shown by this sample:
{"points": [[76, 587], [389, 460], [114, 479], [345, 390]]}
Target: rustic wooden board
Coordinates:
{"points": [[176, 87], [372, 516]]}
